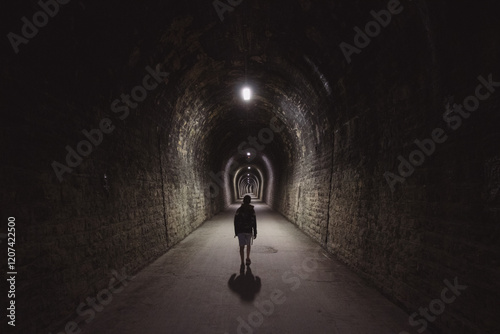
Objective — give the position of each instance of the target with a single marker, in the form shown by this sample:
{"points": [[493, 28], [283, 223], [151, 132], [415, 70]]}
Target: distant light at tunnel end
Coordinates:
{"points": [[247, 93]]}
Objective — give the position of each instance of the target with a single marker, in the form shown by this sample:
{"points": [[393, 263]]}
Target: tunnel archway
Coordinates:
{"points": [[248, 186], [135, 129], [248, 180]]}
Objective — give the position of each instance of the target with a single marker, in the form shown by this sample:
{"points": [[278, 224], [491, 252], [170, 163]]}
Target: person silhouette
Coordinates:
{"points": [[245, 224]]}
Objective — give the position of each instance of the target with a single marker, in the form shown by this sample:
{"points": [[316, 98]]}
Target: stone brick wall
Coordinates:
{"points": [[127, 203], [142, 190], [441, 222]]}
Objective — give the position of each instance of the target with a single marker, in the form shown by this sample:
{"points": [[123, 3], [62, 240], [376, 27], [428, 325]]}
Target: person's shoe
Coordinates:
{"points": [[248, 262], [242, 268]]}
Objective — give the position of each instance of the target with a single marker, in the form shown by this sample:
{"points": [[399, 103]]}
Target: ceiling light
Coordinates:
{"points": [[246, 93]]}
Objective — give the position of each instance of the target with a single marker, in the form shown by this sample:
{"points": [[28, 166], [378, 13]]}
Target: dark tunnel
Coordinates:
{"points": [[371, 126]]}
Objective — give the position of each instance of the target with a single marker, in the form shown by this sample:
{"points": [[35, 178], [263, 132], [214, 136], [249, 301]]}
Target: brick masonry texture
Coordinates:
{"points": [[143, 189]]}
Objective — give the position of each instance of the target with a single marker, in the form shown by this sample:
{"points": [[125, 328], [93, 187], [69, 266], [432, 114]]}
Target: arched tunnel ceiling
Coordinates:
{"points": [[286, 51], [281, 49], [212, 63]]}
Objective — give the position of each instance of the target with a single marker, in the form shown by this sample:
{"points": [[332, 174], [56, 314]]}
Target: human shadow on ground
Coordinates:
{"points": [[245, 284]]}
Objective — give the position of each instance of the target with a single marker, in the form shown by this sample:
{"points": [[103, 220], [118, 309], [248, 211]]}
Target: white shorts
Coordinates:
{"points": [[245, 239]]}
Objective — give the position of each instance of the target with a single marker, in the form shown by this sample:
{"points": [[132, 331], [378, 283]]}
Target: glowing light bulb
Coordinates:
{"points": [[246, 93]]}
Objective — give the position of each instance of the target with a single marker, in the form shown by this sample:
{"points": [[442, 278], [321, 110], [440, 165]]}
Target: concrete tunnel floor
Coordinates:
{"points": [[301, 290]]}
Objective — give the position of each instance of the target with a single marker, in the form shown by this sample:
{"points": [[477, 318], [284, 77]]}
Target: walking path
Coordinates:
{"points": [[292, 287]]}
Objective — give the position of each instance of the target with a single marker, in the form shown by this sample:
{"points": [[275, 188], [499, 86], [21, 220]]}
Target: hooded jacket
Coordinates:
{"points": [[245, 220]]}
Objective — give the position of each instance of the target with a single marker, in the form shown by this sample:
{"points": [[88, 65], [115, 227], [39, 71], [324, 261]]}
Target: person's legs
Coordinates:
{"points": [[248, 251], [241, 254], [242, 242], [249, 243]]}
